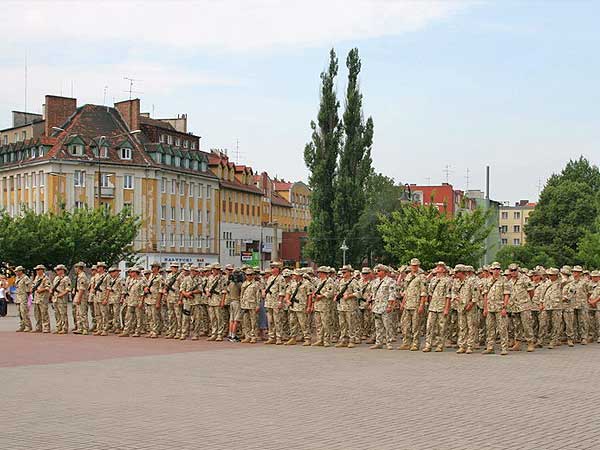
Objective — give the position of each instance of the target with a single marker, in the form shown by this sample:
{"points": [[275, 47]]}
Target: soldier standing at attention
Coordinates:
{"points": [[100, 304], [250, 297], [152, 294], [91, 296], [440, 288], [41, 294], [413, 306], [23, 288], [296, 298], [581, 323], [366, 324], [553, 305], [80, 299], [187, 297], [521, 293], [495, 300], [347, 304], [61, 288], [464, 300], [171, 293], [134, 304], [384, 300], [214, 290], [273, 286], [593, 302], [115, 289], [322, 298]]}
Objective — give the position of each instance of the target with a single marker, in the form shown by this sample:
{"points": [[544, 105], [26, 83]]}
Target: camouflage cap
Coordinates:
{"points": [[19, 269], [415, 262], [552, 271], [595, 273], [60, 267], [332, 270], [495, 265], [286, 273], [323, 269], [114, 269], [485, 268], [101, 264], [229, 267], [459, 268], [586, 272], [134, 269], [577, 269], [506, 272], [194, 268], [146, 272], [156, 264], [276, 264], [93, 267], [216, 266], [249, 271], [347, 268], [441, 263], [565, 270], [297, 272], [80, 264], [268, 271], [513, 266], [380, 267], [40, 267], [185, 267], [366, 270], [174, 264], [469, 268]]}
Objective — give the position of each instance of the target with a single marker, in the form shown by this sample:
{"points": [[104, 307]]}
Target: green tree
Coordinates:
{"points": [[320, 156], [354, 166], [426, 233], [588, 249], [87, 235], [524, 255], [566, 211]]}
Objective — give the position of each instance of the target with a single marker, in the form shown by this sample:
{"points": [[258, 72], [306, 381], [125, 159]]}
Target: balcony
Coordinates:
{"points": [[105, 192]]}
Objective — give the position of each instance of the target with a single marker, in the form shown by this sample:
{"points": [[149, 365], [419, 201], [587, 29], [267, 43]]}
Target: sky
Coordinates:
{"points": [[452, 86]]}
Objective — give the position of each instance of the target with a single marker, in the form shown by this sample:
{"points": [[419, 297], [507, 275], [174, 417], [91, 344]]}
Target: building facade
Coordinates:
{"points": [[512, 221], [444, 197]]}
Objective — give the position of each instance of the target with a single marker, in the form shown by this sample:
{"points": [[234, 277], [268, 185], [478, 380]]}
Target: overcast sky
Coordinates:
{"points": [[512, 84]]}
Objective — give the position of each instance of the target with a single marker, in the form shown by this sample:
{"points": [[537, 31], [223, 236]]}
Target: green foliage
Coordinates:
{"points": [[426, 233], [524, 255], [320, 156], [588, 250], [67, 237], [566, 212], [354, 167]]}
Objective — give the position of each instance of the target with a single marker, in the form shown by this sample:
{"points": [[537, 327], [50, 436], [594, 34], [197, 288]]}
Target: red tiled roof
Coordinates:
{"points": [[156, 123], [236, 185], [278, 200], [282, 185]]}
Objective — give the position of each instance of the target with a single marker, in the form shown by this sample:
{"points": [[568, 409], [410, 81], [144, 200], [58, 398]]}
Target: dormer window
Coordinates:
{"points": [[177, 161], [203, 166], [177, 142], [104, 151], [193, 145], [185, 144], [76, 149], [125, 153]]}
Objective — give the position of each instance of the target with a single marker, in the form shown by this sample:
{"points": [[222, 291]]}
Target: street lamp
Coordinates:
{"points": [[344, 248], [406, 196]]}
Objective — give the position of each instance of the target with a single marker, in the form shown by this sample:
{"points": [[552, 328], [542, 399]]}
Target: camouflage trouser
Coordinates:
{"points": [[496, 324], [75, 315], [133, 320], [250, 323], [25, 320], [347, 326], [523, 326], [535, 322], [174, 319], [385, 331], [411, 326], [544, 320], [299, 319], [62, 316], [323, 322], [98, 316], [467, 328], [164, 318], [452, 326], [482, 326], [217, 324], [569, 318], [82, 316], [557, 319], [594, 319], [435, 333], [42, 318], [153, 317], [365, 324], [581, 323], [114, 315]]}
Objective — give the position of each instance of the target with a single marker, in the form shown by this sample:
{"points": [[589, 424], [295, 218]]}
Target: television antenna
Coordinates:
{"points": [[131, 91]]}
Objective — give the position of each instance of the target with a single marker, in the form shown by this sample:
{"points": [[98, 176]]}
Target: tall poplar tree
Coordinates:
{"points": [[354, 167], [320, 156]]}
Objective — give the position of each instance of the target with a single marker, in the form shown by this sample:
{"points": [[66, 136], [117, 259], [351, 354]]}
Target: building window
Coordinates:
{"points": [[177, 142], [177, 161], [173, 186], [127, 208], [163, 185], [208, 190], [185, 144], [77, 149], [169, 140], [516, 241], [207, 217], [163, 212], [105, 180], [127, 181], [125, 153], [504, 215], [161, 138], [516, 228], [42, 179], [79, 205], [504, 241], [33, 179], [193, 145], [207, 242], [163, 239], [200, 189], [191, 242], [5, 140], [182, 214], [199, 242], [26, 177], [181, 240], [199, 215], [79, 178], [517, 214], [504, 229], [527, 219], [191, 188], [182, 188], [191, 215], [172, 239], [104, 151], [172, 213]]}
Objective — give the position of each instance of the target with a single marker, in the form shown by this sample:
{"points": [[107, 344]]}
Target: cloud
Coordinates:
{"points": [[224, 25]]}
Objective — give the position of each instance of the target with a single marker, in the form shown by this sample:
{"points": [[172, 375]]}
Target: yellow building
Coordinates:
{"points": [[512, 221], [100, 156], [298, 195]]}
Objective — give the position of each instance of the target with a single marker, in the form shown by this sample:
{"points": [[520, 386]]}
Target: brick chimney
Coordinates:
{"points": [[130, 112], [57, 110]]}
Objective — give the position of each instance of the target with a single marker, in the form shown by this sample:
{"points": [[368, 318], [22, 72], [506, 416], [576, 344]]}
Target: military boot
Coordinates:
{"points": [[570, 343], [414, 348], [317, 344], [439, 348], [516, 347], [427, 349], [245, 340], [404, 346], [341, 344], [292, 341], [468, 351], [270, 341], [461, 350], [351, 344], [488, 351], [503, 352], [376, 347], [306, 343], [530, 347]]}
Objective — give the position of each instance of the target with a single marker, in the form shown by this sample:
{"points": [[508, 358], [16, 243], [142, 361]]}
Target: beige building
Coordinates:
{"points": [[512, 221]]}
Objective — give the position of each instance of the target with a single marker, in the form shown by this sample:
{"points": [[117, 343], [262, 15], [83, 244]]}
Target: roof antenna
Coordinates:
{"points": [[104, 97], [131, 91], [25, 81]]}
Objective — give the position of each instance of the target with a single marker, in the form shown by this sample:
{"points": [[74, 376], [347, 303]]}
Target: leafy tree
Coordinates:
{"points": [[588, 249], [566, 211], [87, 235], [524, 255], [354, 166], [320, 156], [423, 231]]}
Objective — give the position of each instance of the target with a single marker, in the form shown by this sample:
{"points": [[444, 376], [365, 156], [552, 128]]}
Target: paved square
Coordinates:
{"points": [[86, 392]]}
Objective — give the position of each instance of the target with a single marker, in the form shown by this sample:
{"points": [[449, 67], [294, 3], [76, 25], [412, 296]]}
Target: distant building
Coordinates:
{"points": [[512, 221], [447, 199]]}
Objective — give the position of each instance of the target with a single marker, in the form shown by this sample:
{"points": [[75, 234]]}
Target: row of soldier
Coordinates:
{"points": [[447, 307]]}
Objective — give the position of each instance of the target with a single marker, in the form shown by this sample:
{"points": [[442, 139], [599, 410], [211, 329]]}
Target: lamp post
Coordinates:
{"points": [[344, 248]]}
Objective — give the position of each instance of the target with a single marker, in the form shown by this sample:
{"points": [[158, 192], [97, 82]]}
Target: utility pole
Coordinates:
{"points": [[447, 172]]}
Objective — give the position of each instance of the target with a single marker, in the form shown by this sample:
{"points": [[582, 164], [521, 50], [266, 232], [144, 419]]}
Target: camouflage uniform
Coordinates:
{"points": [[440, 288], [346, 307], [115, 289], [82, 286], [215, 289], [414, 292], [23, 287], [383, 292], [40, 302], [275, 290], [553, 305], [495, 321], [297, 294], [134, 303], [61, 288], [520, 308], [465, 292], [250, 297], [171, 292], [152, 294], [326, 289]]}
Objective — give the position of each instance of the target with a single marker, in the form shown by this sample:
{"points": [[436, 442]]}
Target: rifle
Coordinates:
{"points": [[212, 290], [268, 290], [54, 287], [34, 288], [293, 297], [99, 284], [340, 294]]}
